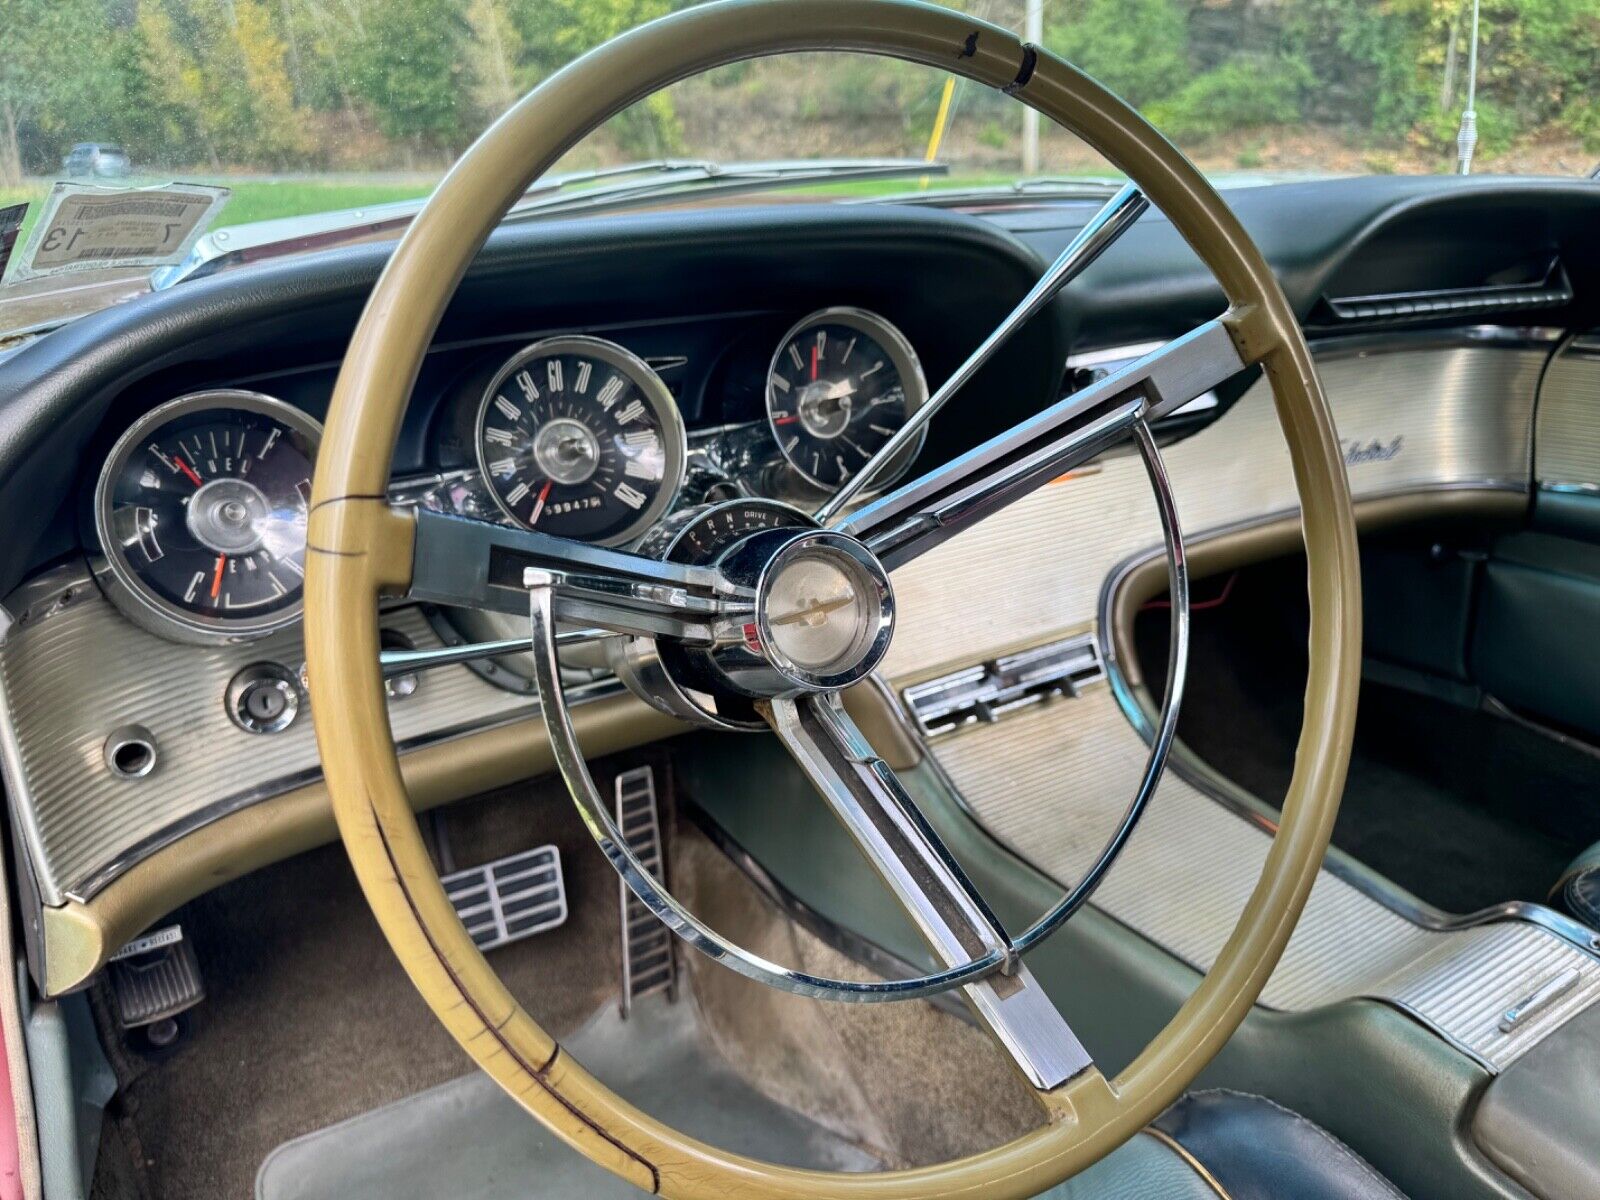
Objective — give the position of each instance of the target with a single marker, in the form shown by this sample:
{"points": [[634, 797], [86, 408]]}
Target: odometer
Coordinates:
{"points": [[841, 384], [201, 515], [577, 437]]}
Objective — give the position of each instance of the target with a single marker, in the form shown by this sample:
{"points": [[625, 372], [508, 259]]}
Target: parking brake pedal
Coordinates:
{"points": [[154, 978], [648, 962], [510, 898]]}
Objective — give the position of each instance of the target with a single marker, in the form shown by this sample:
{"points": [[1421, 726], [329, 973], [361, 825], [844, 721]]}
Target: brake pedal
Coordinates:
{"points": [[155, 977], [649, 962], [510, 898]]}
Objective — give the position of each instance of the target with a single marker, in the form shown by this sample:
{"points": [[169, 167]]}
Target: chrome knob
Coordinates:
{"points": [[263, 698]]}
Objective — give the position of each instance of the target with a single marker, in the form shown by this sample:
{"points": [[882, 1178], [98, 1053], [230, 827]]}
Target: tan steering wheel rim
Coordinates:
{"points": [[361, 548]]}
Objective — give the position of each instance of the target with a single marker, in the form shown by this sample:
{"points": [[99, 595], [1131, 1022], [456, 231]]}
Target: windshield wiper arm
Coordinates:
{"points": [[704, 177], [1049, 187]]}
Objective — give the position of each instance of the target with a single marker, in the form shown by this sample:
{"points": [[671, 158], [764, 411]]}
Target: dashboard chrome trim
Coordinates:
{"points": [[1449, 411], [86, 889], [38, 605]]}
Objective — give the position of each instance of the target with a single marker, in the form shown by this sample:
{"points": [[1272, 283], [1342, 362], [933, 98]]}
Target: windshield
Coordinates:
{"points": [[301, 107]]}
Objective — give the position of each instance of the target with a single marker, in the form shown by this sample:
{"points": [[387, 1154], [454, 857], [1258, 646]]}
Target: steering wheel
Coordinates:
{"points": [[731, 628]]}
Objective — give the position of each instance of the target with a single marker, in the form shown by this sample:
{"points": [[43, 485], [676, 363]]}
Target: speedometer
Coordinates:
{"points": [[578, 437], [201, 515], [842, 382]]}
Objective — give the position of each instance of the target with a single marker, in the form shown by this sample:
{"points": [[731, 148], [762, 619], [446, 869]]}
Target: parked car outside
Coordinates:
{"points": [[98, 159]]}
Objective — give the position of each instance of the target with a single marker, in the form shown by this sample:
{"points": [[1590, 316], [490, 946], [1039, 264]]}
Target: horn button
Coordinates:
{"points": [[823, 611]]}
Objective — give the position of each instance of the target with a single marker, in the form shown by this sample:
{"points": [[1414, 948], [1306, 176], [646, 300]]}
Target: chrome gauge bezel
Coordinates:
{"points": [[117, 578], [901, 356], [651, 388]]}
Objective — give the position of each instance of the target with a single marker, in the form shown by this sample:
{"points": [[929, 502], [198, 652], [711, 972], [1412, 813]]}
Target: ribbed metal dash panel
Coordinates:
{"points": [[73, 677], [1567, 439], [1051, 782], [1413, 418]]}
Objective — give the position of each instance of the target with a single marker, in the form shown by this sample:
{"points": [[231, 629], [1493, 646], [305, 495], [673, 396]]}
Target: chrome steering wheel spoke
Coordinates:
{"points": [[868, 799], [721, 613], [1114, 219], [919, 515], [477, 564], [602, 826]]}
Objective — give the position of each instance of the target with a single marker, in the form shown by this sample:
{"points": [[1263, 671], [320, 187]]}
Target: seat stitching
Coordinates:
{"points": [[1194, 1164], [1366, 1168]]}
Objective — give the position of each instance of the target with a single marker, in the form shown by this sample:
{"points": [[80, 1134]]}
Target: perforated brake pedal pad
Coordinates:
{"points": [[510, 898]]}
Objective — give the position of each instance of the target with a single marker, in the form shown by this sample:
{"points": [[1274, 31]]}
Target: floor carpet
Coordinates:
{"points": [[1462, 808]]}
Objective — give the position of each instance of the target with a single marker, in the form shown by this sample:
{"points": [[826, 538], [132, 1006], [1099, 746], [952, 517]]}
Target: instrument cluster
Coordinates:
{"points": [[200, 509]]}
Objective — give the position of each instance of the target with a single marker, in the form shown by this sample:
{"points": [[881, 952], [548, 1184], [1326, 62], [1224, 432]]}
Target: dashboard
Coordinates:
{"points": [[199, 510], [605, 380]]}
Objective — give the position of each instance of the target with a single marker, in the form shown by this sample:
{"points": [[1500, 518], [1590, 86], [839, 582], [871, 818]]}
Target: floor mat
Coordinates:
{"points": [[467, 1140], [309, 1018]]}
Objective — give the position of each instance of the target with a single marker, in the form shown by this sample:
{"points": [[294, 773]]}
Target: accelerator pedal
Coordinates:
{"points": [[648, 952], [510, 898]]}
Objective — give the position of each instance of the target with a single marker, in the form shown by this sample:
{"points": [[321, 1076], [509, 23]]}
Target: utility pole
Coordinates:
{"points": [[1467, 136], [1033, 34]]}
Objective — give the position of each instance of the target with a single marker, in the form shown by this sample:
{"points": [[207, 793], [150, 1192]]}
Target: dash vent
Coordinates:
{"points": [[1552, 291]]}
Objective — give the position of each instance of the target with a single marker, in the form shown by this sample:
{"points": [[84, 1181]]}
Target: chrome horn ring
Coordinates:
{"points": [[670, 911]]}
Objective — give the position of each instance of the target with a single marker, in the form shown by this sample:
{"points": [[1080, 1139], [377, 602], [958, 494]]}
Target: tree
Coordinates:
{"points": [[58, 79], [558, 31], [216, 81], [407, 66], [1137, 48], [494, 50]]}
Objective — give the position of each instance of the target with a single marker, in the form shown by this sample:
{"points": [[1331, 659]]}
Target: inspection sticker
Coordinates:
{"points": [[10, 222], [85, 228]]}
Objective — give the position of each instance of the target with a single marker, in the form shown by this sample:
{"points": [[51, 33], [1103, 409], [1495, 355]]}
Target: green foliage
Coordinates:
{"points": [[1137, 48], [408, 67], [291, 84], [1582, 117], [1246, 91], [557, 31], [55, 69]]}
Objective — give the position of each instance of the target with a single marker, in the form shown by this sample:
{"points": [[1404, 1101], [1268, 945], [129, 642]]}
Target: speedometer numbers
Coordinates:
{"points": [[201, 515], [842, 382], [577, 437]]}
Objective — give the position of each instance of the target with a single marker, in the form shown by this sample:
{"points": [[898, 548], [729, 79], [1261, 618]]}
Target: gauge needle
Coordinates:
{"points": [[789, 420], [216, 577], [187, 470], [813, 364], [811, 612], [538, 507]]}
